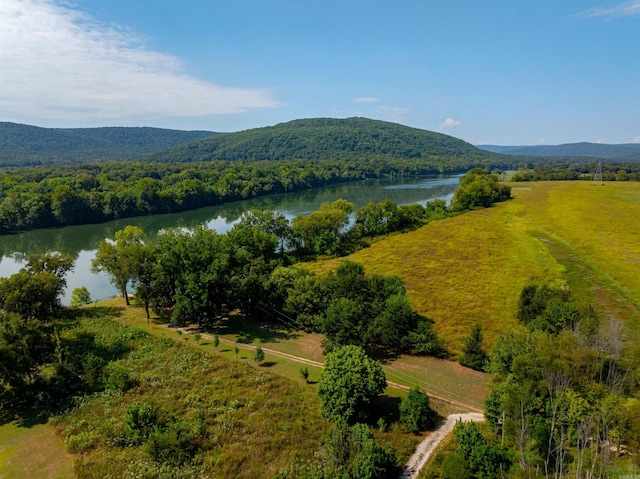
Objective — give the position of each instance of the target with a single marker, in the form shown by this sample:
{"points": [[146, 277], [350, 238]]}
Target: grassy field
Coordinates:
{"points": [[472, 267], [466, 389], [32, 452]]}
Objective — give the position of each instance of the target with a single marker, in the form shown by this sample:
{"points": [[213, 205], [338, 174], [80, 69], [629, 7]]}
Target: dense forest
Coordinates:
{"points": [[44, 197], [329, 139], [25, 145]]}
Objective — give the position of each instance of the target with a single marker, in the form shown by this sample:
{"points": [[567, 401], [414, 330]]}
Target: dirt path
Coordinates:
{"points": [[426, 448], [310, 362]]}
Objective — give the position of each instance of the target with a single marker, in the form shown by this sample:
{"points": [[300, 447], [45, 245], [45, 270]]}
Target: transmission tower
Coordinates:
{"points": [[597, 178]]}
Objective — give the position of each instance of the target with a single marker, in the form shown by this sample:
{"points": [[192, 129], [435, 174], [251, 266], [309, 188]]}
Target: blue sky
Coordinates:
{"points": [[503, 72]]}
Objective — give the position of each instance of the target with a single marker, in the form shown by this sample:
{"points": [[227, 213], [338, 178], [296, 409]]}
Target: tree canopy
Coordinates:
{"points": [[348, 384]]}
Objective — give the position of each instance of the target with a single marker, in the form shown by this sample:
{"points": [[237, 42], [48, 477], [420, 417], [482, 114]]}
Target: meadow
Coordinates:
{"points": [[471, 268]]}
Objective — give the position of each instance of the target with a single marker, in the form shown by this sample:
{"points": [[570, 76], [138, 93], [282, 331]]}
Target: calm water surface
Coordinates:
{"points": [[81, 242]]}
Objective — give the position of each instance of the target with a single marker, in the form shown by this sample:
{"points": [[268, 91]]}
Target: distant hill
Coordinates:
{"points": [[327, 139], [25, 145], [625, 151]]}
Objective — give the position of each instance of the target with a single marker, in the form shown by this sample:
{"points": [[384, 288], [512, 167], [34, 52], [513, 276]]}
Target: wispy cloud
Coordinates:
{"points": [[60, 63], [636, 140], [365, 99], [449, 123], [626, 9]]}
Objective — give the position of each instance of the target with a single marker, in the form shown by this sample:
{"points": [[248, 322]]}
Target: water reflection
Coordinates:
{"points": [[81, 242]]}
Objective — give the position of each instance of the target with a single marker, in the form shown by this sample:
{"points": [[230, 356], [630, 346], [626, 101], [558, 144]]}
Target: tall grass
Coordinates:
{"points": [[254, 420], [472, 267]]}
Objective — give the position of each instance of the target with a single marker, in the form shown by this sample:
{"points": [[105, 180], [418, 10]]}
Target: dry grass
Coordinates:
{"points": [[472, 267]]}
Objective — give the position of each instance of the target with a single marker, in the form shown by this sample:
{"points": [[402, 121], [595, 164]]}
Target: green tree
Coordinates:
{"points": [[345, 323], [258, 356], [120, 259], [395, 323], [479, 189], [473, 356], [322, 231], [34, 292], [79, 297], [349, 382], [415, 412]]}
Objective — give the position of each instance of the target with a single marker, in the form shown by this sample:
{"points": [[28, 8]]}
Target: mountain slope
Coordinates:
{"points": [[325, 139], [25, 145], [625, 151]]}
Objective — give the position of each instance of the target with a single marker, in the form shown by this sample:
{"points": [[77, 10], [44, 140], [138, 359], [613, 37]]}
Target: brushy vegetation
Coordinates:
{"points": [[190, 414]]}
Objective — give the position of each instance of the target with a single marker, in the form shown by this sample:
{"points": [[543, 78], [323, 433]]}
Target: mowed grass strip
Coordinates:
{"points": [[34, 452], [599, 224], [472, 267]]}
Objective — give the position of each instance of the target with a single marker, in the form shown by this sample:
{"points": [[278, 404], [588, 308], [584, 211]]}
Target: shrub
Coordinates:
{"points": [[82, 442], [258, 356], [176, 445], [120, 379], [415, 412]]}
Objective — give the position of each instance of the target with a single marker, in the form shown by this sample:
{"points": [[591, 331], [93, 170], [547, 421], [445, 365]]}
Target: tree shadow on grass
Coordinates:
{"points": [[267, 364], [248, 330], [385, 356], [92, 312], [386, 408]]}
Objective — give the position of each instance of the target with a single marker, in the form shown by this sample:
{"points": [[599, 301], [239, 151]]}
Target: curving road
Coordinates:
{"points": [[427, 447]]}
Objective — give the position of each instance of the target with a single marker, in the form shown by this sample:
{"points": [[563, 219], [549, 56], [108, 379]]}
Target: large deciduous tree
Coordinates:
{"points": [[120, 259], [349, 382]]}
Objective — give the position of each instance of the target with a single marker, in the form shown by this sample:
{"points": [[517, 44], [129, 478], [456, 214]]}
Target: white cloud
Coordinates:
{"points": [[365, 99], [636, 140], [449, 123], [626, 9], [59, 63], [599, 140]]}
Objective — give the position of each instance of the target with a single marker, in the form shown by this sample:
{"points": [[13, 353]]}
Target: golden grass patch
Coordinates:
{"points": [[472, 267]]}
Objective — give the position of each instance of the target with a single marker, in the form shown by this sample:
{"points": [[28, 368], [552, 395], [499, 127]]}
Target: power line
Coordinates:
{"points": [[403, 375]]}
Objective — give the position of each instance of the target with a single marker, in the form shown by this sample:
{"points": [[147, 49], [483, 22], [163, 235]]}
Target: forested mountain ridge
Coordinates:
{"points": [[625, 151], [327, 139], [25, 145]]}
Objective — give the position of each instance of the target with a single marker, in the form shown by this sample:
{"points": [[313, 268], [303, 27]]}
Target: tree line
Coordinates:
{"points": [[44, 197], [611, 171]]}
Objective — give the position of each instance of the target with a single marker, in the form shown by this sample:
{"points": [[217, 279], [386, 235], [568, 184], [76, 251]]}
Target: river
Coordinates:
{"points": [[81, 242]]}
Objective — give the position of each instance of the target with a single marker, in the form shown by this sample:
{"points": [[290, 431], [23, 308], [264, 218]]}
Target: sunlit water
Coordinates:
{"points": [[81, 242]]}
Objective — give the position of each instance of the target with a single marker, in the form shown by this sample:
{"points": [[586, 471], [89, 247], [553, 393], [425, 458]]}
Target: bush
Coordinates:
{"points": [[415, 412], [120, 379], [82, 442], [175, 446], [258, 356]]}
